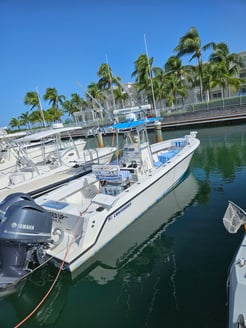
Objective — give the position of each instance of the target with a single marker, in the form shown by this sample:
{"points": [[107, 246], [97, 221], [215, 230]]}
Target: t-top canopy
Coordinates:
{"points": [[133, 124]]}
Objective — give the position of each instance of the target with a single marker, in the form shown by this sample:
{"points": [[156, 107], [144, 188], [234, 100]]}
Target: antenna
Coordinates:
{"points": [[111, 82], [41, 109], [151, 81]]}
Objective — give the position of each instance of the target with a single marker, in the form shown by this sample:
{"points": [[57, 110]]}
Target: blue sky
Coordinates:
{"points": [[55, 43]]}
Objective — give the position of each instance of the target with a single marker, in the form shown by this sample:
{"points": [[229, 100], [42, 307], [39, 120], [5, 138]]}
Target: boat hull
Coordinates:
{"points": [[141, 232], [130, 208], [237, 288]]}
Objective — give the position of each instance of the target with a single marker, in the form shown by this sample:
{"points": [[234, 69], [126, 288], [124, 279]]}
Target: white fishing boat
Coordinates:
{"points": [[47, 146], [69, 225], [112, 262], [7, 158], [142, 233], [55, 157], [234, 218]]}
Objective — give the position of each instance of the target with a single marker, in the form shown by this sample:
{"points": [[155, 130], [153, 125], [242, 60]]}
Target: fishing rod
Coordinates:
{"points": [[95, 100]]}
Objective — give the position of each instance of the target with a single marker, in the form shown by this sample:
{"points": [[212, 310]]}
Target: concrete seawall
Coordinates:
{"points": [[221, 116]]}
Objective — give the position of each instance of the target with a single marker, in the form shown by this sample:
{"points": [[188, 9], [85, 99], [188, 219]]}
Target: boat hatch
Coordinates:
{"points": [[106, 201]]}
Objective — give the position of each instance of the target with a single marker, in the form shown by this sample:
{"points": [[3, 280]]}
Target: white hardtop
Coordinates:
{"points": [[12, 135], [47, 133]]}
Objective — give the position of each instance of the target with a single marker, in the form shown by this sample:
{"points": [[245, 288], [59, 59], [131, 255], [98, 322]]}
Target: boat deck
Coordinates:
{"points": [[35, 187]]}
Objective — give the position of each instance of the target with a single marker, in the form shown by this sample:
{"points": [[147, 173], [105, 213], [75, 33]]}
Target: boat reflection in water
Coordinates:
{"points": [[140, 245]]}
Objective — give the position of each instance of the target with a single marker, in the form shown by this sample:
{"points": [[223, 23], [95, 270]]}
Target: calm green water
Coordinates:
{"points": [[169, 269]]}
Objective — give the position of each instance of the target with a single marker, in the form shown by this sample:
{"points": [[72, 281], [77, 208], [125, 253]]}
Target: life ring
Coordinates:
{"points": [[60, 233]]}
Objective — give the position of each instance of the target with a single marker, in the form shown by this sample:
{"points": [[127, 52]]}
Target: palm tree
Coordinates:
{"points": [[35, 117], [159, 85], [174, 65], [183, 74], [107, 81], [228, 66], [223, 79], [49, 117], [25, 119], [74, 105], [54, 114], [190, 43], [209, 77], [144, 77], [55, 100], [15, 122], [142, 73], [174, 87], [32, 99], [95, 97], [69, 108], [120, 96], [78, 101]]}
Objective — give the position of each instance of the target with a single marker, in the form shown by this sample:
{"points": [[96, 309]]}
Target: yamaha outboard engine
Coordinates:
{"points": [[25, 231]]}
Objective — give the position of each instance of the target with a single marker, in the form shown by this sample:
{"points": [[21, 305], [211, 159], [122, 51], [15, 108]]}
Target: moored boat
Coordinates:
{"points": [[142, 233], [234, 218], [45, 159], [70, 224], [18, 149]]}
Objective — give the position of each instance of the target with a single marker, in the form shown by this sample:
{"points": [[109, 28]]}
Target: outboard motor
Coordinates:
{"points": [[25, 231]]}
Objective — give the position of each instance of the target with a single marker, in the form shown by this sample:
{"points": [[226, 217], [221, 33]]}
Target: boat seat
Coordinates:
{"points": [[164, 157], [157, 163]]}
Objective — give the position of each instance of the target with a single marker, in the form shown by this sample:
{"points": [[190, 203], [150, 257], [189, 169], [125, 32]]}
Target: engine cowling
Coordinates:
{"points": [[25, 228]]}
